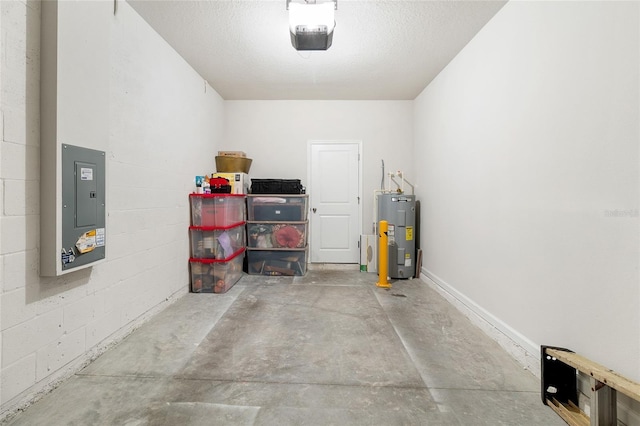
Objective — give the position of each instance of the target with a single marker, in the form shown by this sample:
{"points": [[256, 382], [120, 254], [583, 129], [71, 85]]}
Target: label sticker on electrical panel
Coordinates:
{"points": [[100, 237], [409, 233], [86, 242], [67, 256], [86, 173]]}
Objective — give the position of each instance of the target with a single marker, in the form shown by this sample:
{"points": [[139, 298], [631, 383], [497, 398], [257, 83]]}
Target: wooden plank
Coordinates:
{"points": [[599, 372], [571, 417], [574, 408]]}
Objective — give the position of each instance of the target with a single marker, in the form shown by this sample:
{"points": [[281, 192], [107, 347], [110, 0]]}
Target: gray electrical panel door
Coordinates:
{"points": [[86, 194], [83, 206], [399, 211]]}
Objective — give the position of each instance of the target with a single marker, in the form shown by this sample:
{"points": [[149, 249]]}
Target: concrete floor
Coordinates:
{"points": [[327, 348]]}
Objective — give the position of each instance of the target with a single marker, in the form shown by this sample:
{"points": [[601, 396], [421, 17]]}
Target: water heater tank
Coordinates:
{"points": [[399, 211]]}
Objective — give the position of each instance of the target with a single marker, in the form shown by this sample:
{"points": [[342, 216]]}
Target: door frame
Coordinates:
{"points": [[309, 186]]}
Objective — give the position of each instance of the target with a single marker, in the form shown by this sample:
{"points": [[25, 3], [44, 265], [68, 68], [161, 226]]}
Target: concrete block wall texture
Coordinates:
{"points": [[1, 197], [165, 126]]}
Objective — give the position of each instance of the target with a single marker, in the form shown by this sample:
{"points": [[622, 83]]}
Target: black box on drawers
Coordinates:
{"points": [[276, 186]]}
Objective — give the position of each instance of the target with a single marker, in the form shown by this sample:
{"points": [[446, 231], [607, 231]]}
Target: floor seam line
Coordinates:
{"points": [[196, 379]]}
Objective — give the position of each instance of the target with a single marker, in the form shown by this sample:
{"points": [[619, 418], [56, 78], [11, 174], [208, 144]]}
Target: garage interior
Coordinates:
{"points": [[517, 122]]}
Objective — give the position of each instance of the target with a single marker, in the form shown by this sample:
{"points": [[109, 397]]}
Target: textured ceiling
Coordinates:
{"points": [[382, 50]]}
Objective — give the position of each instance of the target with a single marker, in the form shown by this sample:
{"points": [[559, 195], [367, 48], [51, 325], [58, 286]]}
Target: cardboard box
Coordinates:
{"points": [[239, 182], [232, 154]]}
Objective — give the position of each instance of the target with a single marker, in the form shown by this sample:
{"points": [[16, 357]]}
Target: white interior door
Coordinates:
{"points": [[334, 196]]}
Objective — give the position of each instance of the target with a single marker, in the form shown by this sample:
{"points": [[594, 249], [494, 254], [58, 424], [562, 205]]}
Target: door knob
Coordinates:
{"points": [[314, 209]]}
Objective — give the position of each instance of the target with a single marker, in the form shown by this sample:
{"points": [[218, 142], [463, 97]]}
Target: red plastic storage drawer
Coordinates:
{"points": [[216, 276], [216, 243], [219, 210]]}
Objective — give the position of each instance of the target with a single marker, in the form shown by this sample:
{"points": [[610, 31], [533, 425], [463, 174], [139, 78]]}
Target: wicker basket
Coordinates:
{"points": [[232, 164]]}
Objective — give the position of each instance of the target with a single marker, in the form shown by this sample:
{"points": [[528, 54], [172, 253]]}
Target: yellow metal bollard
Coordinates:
{"points": [[383, 255]]}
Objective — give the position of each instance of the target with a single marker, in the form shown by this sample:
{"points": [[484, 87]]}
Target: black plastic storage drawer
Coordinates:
{"points": [[277, 208], [276, 212], [277, 261]]}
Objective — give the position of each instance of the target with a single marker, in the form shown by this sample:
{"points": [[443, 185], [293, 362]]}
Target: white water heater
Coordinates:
{"points": [[399, 210]]}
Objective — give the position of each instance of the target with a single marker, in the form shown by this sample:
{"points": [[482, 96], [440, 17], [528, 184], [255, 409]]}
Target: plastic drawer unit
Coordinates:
{"points": [[217, 210], [277, 234], [277, 208], [216, 275], [277, 261], [208, 242]]}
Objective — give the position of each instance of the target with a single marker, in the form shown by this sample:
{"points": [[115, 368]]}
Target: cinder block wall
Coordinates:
{"points": [[165, 126]]}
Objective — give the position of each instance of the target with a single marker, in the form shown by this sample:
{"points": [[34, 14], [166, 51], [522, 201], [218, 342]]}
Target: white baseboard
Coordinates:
{"points": [[526, 352], [518, 346], [333, 266]]}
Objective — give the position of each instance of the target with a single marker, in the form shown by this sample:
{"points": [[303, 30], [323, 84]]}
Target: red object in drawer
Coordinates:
{"points": [[219, 210]]}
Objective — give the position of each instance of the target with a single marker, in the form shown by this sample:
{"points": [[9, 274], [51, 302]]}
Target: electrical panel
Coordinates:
{"points": [[83, 207], [74, 129]]}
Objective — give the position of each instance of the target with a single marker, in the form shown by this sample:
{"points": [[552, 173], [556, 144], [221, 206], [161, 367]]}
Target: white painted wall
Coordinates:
{"points": [[275, 135], [526, 150], [165, 127]]}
